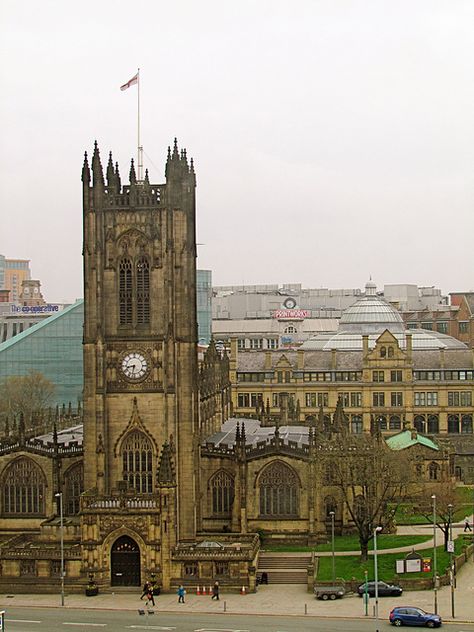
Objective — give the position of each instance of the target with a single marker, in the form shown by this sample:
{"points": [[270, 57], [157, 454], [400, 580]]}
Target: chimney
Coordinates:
{"points": [[268, 361], [414, 434], [365, 345], [409, 348], [300, 356]]}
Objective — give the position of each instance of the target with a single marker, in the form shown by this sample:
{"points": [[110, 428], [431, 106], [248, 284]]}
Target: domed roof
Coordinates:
{"points": [[371, 314]]}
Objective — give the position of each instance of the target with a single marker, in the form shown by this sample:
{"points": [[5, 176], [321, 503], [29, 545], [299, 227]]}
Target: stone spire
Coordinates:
{"points": [[133, 175], [165, 474], [97, 173]]}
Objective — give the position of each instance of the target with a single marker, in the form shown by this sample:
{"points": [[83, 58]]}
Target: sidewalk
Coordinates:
{"points": [[271, 600]]}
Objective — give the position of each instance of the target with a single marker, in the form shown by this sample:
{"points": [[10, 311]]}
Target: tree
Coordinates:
{"points": [[28, 394], [372, 480], [446, 498]]}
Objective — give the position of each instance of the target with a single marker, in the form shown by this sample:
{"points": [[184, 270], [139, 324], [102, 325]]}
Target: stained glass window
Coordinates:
{"points": [[278, 491], [23, 488], [137, 459], [222, 487]]}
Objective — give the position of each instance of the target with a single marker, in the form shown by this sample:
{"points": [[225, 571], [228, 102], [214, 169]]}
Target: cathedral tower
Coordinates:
{"points": [[140, 338]]}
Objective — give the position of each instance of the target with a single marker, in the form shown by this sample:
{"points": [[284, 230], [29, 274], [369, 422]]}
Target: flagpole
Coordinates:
{"points": [[139, 149]]}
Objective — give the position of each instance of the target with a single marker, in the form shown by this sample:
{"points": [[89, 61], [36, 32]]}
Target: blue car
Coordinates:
{"points": [[414, 616]]}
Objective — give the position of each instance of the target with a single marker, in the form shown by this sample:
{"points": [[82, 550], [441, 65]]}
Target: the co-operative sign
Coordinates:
{"points": [[35, 309]]}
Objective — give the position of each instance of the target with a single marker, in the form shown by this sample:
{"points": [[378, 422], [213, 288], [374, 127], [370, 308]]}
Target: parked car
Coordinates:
{"points": [[384, 589], [414, 616]]}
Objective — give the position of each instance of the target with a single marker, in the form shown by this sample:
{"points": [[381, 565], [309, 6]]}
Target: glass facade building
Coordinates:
{"points": [[52, 347], [204, 305]]}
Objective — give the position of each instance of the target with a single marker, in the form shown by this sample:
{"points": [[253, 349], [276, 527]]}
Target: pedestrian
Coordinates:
{"points": [[215, 591], [149, 596], [467, 526], [181, 593], [146, 587]]}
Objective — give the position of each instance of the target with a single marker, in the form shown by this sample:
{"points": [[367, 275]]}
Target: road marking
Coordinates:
{"points": [[219, 630], [99, 625], [22, 621], [150, 627]]}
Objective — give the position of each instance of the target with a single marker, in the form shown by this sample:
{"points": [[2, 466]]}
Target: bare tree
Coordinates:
{"points": [[372, 480], [30, 394], [446, 499]]}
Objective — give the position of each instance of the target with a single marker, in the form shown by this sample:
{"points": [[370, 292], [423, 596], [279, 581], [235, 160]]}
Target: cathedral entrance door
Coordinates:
{"points": [[125, 562]]}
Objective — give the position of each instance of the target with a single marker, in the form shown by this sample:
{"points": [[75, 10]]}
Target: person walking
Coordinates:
{"points": [[215, 591], [181, 593], [149, 596], [146, 587], [467, 526]]}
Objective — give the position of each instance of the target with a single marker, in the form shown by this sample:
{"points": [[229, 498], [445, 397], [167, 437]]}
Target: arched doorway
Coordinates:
{"points": [[125, 562]]}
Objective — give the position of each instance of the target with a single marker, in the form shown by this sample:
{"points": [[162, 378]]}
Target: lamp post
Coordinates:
{"points": [[376, 577], [60, 496], [451, 548], [332, 514], [435, 575]]}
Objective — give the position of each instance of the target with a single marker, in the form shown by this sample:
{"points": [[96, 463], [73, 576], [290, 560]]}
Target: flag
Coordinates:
{"points": [[132, 82]]}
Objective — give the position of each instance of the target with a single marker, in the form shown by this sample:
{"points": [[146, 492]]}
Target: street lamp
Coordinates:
{"points": [[332, 514], [376, 576], [60, 496], [435, 576], [451, 549]]}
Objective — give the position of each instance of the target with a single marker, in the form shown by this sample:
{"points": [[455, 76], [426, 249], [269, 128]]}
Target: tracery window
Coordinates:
{"points": [[222, 491], [74, 486], [330, 474], [143, 291], [125, 292], [356, 424], [23, 488], [137, 458], [278, 488]]}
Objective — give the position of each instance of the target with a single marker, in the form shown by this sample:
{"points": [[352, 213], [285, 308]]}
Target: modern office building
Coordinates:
{"points": [[12, 273], [204, 305], [54, 348]]}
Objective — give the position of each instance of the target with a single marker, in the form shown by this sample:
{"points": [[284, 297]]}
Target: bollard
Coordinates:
{"points": [[225, 606], [306, 608]]}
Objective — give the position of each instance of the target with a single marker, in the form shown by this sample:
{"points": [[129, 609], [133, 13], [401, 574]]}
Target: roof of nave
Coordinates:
{"points": [[65, 437], [254, 433]]}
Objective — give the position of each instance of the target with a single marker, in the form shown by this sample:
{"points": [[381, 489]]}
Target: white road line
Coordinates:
{"points": [[98, 625], [22, 621], [150, 627], [219, 630]]}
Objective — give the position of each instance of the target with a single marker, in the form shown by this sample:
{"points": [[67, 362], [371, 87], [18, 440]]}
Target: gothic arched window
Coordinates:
{"points": [[433, 470], [433, 424], [73, 487], [419, 423], [453, 424], [390, 352], [466, 424], [23, 488], [222, 490], [330, 474], [394, 423], [330, 505], [137, 459], [125, 292], [278, 488], [143, 291]]}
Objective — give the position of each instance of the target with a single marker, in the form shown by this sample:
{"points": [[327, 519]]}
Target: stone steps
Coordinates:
{"points": [[284, 568]]}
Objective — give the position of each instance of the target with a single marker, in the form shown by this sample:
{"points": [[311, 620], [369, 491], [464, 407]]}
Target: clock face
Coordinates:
{"points": [[134, 366]]}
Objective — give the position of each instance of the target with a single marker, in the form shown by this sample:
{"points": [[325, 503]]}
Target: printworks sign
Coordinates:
{"points": [[291, 314]]}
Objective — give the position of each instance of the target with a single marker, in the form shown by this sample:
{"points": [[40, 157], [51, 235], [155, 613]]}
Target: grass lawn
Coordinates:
{"points": [[350, 566], [351, 543], [406, 514]]}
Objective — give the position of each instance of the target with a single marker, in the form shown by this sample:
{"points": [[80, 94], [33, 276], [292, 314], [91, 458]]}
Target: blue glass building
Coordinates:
{"points": [[54, 348]]}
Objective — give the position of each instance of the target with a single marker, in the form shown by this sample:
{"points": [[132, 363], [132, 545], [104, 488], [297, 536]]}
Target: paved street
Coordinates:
{"points": [[57, 620]]}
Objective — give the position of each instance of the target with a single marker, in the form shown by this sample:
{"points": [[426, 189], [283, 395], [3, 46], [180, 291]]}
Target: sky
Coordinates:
{"points": [[333, 139]]}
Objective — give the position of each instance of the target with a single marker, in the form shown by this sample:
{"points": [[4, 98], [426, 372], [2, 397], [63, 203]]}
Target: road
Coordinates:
{"points": [[29, 619]]}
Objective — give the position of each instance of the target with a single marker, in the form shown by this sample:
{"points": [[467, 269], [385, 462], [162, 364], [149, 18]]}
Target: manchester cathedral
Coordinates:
{"points": [[153, 476]]}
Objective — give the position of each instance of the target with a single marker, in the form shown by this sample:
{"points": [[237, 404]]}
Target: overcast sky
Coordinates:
{"points": [[332, 139]]}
